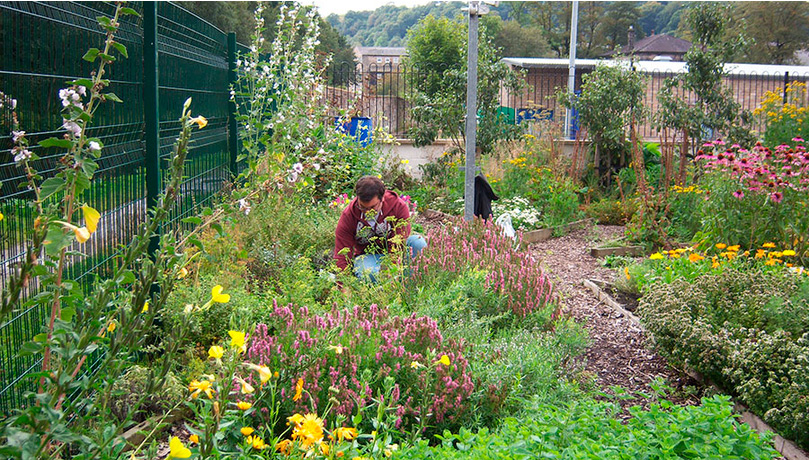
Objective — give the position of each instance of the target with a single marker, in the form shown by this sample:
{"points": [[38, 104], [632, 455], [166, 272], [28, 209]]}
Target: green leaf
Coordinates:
{"points": [[121, 48], [67, 314], [56, 240], [207, 211], [30, 348], [50, 186], [126, 277], [129, 11], [197, 243], [106, 57], [91, 54], [192, 220], [104, 21], [112, 97], [41, 338], [56, 142], [86, 82], [219, 229]]}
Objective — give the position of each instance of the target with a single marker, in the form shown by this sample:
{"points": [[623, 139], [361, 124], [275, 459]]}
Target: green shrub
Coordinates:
{"points": [[611, 212], [748, 331], [131, 386], [588, 429]]}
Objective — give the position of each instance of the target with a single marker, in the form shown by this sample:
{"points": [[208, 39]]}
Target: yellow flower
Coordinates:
{"points": [[626, 273], [734, 248], [194, 438], [263, 371], [694, 257], [788, 252], [243, 405], [721, 245], [247, 431], [256, 442], [771, 262], [674, 255], [416, 365], [444, 360], [217, 296], [656, 256], [768, 245], [216, 352], [82, 234], [1, 216], [309, 432], [177, 449], [404, 162], [183, 273], [337, 349], [760, 253], [200, 121], [236, 339], [91, 218], [295, 420], [346, 433], [145, 307], [111, 326], [298, 390], [196, 387]]}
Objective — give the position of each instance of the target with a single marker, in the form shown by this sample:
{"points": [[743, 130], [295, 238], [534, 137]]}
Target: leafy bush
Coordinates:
{"points": [[611, 212], [127, 390], [746, 330], [756, 196], [587, 429], [346, 354], [784, 121]]}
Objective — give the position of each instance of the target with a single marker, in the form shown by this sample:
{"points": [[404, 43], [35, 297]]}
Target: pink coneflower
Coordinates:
{"points": [[777, 197], [738, 194], [797, 139]]}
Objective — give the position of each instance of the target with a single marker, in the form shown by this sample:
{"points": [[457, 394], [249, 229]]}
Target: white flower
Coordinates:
{"points": [[244, 206], [82, 90], [316, 166], [21, 154], [292, 176], [297, 167], [17, 135], [13, 104], [72, 127], [94, 146]]}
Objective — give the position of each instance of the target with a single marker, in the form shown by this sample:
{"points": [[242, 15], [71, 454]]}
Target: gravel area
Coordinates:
{"points": [[620, 354]]}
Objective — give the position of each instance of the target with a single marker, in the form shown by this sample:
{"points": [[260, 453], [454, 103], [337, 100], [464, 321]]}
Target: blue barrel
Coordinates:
{"points": [[360, 128], [574, 118]]}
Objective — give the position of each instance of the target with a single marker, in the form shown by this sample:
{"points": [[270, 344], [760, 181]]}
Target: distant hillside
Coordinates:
{"points": [[387, 25]]}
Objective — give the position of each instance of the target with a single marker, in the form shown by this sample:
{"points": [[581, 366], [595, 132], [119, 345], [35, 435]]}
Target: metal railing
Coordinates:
{"points": [[384, 93], [41, 50]]}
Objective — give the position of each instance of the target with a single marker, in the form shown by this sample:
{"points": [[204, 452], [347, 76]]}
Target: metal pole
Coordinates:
{"points": [[233, 135], [571, 74], [786, 83], [151, 111], [471, 112]]}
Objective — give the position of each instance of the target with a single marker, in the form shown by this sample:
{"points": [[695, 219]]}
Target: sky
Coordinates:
{"points": [[328, 7]]}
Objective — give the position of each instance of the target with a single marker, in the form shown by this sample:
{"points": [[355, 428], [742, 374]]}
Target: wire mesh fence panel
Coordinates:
{"points": [[42, 49]]}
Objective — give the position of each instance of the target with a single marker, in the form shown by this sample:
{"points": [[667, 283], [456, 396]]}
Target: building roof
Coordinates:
{"points": [[659, 44], [659, 66], [380, 51]]}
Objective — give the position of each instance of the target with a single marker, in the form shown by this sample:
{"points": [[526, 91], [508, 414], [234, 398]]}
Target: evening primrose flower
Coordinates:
{"points": [[444, 360], [416, 365], [82, 234], [237, 339], [177, 449], [247, 431], [338, 349], [200, 121], [111, 327], [216, 352], [217, 296], [145, 307], [182, 274], [263, 371]]}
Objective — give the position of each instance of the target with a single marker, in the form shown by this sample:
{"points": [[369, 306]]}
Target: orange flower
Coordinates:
{"points": [[243, 405], [346, 433], [194, 438], [694, 257], [298, 390], [284, 446]]}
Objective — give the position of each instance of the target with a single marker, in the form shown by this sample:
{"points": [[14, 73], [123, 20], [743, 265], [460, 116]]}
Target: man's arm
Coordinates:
{"points": [[343, 238]]}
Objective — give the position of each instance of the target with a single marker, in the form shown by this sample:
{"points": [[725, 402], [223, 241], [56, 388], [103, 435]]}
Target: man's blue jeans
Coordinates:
{"points": [[367, 266]]}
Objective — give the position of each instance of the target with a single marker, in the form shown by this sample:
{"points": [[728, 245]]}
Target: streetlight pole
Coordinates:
{"points": [[571, 73], [471, 111]]}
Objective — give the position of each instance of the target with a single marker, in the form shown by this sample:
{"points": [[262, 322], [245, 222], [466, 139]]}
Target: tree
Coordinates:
{"points": [[777, 30], [614, 27], [515, 40], [437, 56], [610, 100]]}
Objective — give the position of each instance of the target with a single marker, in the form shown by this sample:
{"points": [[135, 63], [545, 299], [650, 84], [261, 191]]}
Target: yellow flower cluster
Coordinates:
{"points": [[729, 253], [689, 189], [773, 105], [518, 162]]}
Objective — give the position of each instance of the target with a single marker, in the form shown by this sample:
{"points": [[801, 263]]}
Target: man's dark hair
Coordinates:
{"points": [[369, 187]]}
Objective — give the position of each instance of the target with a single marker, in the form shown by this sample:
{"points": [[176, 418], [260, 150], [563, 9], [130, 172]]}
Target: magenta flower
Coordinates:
{"points": [[797, 139], [738, 194], [777, 196]]}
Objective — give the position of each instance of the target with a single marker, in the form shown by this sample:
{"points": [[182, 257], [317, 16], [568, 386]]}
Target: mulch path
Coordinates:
{"points": [[621, 354]]}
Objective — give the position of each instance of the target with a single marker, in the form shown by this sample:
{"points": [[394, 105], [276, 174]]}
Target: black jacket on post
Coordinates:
{"points": [[484, 195]]}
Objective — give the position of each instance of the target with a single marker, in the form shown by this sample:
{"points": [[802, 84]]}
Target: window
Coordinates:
{"points": [[379, 60], [387, 60], [395, 60]]}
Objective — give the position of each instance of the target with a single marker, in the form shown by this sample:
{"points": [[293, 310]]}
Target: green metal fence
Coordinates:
{"points": [[173, 55]]}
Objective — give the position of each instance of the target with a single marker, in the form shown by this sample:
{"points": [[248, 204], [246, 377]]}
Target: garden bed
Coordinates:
{"points": [[603, 292]]}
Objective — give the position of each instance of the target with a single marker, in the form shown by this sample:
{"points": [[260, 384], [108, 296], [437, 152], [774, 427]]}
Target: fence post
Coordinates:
{"points": [[151, 110], [786, 82], [233, 135]]}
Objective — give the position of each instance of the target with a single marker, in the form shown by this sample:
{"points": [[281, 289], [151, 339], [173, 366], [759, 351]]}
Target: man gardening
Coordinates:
{"points": [[373, 225]]}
